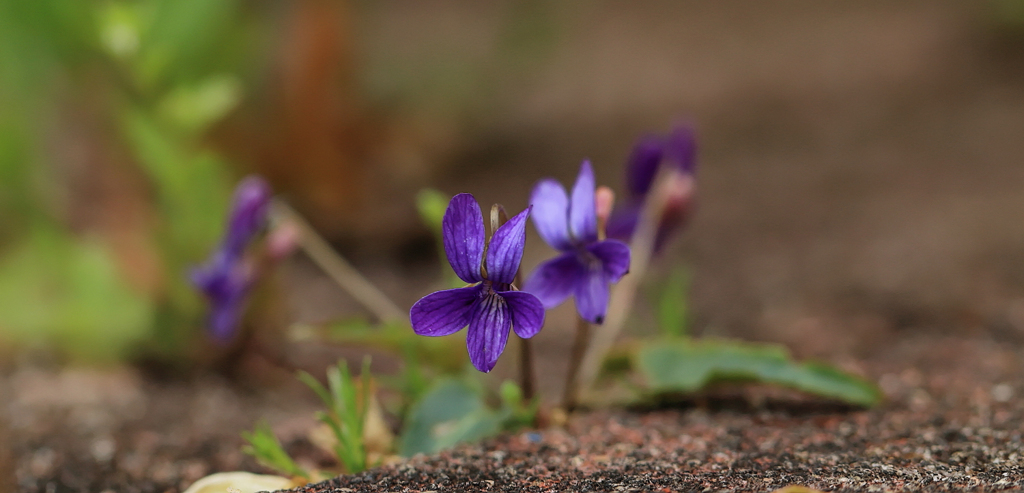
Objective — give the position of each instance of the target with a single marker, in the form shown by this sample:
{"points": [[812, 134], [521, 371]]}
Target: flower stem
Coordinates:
{"points": [[642, 249], [526, 375], [527, 379], [579, 348], [335, 266]]}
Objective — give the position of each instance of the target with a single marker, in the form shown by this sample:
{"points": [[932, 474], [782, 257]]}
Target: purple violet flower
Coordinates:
{"points": [[678, 150], [225, 279], [587, 265], [491, 305]]}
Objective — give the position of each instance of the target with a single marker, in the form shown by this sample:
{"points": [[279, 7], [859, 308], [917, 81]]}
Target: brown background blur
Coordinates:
{"points": [[860, 162]]}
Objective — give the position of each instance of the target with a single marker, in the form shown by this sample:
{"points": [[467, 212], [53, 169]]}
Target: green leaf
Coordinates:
{"points": [[673, 306], [515, 411], [511, 394], [688, 366], [450, 413]]}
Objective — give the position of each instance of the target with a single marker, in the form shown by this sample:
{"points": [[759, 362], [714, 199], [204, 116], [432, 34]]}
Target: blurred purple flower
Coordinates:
{"points": [[678, 152], [491, 305], [225, 279], [586, 266], [248, 214]]}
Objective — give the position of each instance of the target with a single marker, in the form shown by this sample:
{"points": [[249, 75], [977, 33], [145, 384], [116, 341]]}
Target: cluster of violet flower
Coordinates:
{"points": [[586, 265], [492, 305]]}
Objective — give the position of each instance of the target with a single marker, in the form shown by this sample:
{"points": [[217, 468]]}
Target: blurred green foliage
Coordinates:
{"points": [[54, 286], [163, 72], [1008, 15]]}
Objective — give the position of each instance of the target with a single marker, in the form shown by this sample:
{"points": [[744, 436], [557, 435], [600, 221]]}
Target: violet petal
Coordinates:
{"points": [[527, 313], [551, 213], [463, 231], [444, 312], [248, 213], [622, 222], [489, 326], [614, 256], [592, 295], [226, 314], [212, 277], [643, 165], [681, 149], [226, 287], [582, 214], [554, 281], [506, 249]]}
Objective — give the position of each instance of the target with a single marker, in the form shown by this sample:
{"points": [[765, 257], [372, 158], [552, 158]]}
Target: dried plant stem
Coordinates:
{"points": [[579, 348], [335, 266], [641, 250]]}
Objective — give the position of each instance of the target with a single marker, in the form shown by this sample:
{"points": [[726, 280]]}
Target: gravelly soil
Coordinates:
{"points": [[954, 421]]}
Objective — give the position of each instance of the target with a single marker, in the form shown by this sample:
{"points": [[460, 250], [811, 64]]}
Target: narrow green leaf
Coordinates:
{"points": [[265, 447], [346, 414], [317, 387]]}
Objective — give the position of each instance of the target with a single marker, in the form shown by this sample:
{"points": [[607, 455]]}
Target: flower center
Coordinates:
{"points": [[491, 287], [587, 258]]}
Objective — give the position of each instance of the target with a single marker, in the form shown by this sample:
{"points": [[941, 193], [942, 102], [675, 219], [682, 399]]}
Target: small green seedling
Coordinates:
{"points": [[267, 450], [347, 403]]}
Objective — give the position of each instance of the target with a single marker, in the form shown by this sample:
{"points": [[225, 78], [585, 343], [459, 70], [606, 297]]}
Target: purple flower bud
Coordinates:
{"points": [[226, 278], [677, 153], [248, 213]]}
